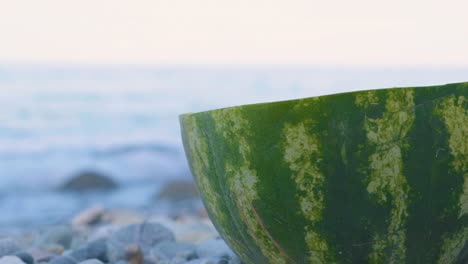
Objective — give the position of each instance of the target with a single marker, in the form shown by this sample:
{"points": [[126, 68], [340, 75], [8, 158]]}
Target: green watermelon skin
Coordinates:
{"points": [[376, 176]]}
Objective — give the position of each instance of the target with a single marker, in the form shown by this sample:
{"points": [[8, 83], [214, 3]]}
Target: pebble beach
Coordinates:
{"points": [[98, 234]]}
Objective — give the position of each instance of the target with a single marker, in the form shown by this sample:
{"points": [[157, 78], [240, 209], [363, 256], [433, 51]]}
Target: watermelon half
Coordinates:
{"points": [[376, 176]]}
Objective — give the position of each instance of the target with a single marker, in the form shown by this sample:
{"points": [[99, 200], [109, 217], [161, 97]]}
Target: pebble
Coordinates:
{"points": [[178, 190], [11, 260], [89, 181], [8, 246], [159, 240], [145, 235], [79, 239], [102, 232], [59, 235], [62, 260], [91, 261], [207, 261], [192, 230], [133, 254], [177, 260], [52, 249], [25, 257], [45, 259], [88, 217], [94, 250], [122, 217], [169, 250]]}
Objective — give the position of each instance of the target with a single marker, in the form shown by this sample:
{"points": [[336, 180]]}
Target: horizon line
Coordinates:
{"points": [[289, 65]]}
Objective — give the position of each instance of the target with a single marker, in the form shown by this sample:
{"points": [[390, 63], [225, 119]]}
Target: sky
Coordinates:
{"points": [[359, 32]]}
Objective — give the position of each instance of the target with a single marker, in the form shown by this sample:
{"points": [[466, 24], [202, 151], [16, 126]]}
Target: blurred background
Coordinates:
{"points": [[90, 91]]}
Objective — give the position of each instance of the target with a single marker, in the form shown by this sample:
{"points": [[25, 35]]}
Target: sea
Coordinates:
{"points": [[122, 120]]}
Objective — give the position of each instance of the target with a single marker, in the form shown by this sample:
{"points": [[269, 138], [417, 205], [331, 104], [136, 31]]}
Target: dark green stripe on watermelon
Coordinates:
{"points": [[365, 177], [434, 208], [349, 228]]}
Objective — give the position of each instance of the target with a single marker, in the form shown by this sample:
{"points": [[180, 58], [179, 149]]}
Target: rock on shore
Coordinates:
{"points": [[117, 238], [177, 191], [89, 181]]}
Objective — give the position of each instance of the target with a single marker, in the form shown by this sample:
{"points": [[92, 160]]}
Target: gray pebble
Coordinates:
{"points": [[25, 257], [8, 246], [195, 261], [102, 232], [11, 260], [209, 261], [201, 261], [59, 235], [89, 181], [45, 259], [93, 250], [53, 249], [150, 261], [91, 261], [177, 191], [145, 235], [62, 260], [172, 249], [79, 239], [178, 260]]}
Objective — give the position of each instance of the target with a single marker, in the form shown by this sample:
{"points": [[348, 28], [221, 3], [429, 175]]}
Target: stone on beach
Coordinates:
{"points": [[8, 246], [102, 232], [57, 236], [170, 250], [25, 257], [208, 261], [121, 217], [45, 259], [99, 235], [145, 235], [11, 260], [63, 260], [191, 230], [91, 261], [93, 250], [121, 262], [178, 190], [88, 217], [134, 255], [196, 232], [89, 181], [54, 249]]}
